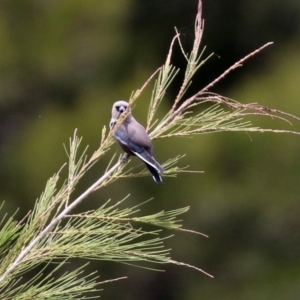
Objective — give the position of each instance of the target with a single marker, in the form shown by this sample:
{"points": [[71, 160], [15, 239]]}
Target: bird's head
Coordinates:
{"points": [[120, 107]]}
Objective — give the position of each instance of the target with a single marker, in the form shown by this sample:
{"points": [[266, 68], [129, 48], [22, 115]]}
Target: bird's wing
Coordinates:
{"points": [[121, 135], [138, 142], [138, 135]]}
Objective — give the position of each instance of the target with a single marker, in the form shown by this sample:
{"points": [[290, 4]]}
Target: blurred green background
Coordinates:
{"points": [[63, 64]]}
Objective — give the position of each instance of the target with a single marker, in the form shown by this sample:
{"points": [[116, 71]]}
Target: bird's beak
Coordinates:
{"points": [[122, 109]]}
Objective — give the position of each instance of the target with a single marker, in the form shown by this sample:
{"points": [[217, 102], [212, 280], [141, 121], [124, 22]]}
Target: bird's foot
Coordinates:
{"points": [[124, 158]]}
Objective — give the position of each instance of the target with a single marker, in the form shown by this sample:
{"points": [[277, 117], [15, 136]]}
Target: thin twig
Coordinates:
{"points": [[190, 100], [191, 266], [112, 280], [233, 67], [57, 219], [139, 91]]}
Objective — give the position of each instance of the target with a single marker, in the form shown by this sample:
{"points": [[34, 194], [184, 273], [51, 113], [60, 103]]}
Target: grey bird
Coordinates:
{"points": [[133, 138]]}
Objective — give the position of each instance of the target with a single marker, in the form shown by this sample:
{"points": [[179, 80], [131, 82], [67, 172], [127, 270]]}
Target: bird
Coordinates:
{"points": [[133, 138]]}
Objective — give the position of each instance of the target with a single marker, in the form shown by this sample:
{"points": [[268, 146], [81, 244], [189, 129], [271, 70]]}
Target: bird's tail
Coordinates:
{"points": [[155, 169], [155, 174], [153, 166]]}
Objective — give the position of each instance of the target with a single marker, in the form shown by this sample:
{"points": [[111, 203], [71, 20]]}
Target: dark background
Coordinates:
{"points": [[63, 64]]}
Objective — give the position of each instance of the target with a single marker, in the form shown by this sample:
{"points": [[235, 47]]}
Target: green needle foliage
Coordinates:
{"points": [[50, 234]]}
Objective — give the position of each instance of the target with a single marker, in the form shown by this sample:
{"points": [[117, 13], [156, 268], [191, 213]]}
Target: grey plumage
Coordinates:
{"points": [[133, 138]]}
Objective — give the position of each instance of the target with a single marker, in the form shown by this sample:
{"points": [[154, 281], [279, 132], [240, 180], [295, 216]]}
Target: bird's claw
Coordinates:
{"points": [[124, 158]]}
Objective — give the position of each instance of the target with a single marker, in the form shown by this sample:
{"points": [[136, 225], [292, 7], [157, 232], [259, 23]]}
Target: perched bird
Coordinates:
{"points": [[133, 138]]}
